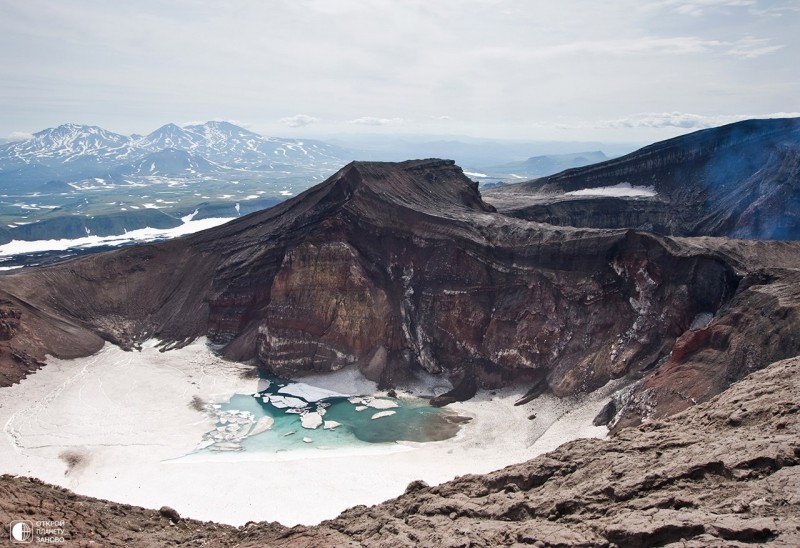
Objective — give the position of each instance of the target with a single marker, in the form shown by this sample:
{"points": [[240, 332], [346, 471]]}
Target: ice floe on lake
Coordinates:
{"points": [[362, 402], [310, 394], [311, 421]]}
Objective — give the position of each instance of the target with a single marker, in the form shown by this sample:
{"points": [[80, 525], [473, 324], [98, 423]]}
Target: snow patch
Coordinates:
{"points": [[621, 190], [147, 234]]}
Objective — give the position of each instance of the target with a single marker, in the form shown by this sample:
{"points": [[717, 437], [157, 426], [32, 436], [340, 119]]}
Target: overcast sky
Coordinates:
{"points": [[617, 70]]}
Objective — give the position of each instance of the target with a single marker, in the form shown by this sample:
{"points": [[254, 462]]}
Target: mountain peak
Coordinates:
{"points": [[415, 194], [431, 185], [169, 136], [221, 127], [170, 127]]}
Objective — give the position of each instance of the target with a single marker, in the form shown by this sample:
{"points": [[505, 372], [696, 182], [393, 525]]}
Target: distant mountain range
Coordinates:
{"points": [[73, 153], [76, 181], [534, 167], [539, 166]]}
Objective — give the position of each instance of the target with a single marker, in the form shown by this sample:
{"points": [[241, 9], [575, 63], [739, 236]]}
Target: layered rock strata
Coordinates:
{"points": [[402, 268]]}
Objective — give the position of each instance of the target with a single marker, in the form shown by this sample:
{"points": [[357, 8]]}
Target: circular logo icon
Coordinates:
{"points": [[21, 531]]}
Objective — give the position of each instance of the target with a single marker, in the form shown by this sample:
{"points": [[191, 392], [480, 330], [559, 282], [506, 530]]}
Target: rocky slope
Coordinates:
{"points": [[741, 180], [400, 268], [724, 473]]}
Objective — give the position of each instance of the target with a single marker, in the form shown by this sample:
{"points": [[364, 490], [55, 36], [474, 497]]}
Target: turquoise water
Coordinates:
{"points": [[408, 419]]}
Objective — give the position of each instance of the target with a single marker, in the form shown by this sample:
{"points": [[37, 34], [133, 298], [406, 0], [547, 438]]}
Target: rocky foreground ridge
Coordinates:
{"points": [[400, 268], [723, 473]]}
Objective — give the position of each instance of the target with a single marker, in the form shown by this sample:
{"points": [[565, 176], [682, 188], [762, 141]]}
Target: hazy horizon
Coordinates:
{"points": [[628, 72]]}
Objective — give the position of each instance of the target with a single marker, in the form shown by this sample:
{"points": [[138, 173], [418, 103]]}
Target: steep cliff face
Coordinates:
{"points": [[739, 180], [402, 268]]}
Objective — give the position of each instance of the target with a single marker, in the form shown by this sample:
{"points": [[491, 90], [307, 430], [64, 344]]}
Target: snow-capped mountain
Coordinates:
{"points": [[229, 145], [68, 143], [169, 162], [169, 136], [73, 152]]}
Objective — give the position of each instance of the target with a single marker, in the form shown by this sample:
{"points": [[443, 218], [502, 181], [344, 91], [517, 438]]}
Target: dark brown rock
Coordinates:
{"points": [[606, 414], [394, 268], [169, 513]]}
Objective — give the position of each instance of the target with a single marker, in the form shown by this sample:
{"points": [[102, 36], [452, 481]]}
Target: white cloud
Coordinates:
{"points": [[299, 120], [494, 67], [697, 8], [373, 121], [683, 120], [239, 123], [750, 48], [19, 136], [774, 11]]}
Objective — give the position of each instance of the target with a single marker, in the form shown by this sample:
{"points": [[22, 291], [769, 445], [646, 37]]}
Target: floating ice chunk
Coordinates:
{"points": [[312, 421], [309, 393], [263, 384], [203, 444], [263, 424], [330, 425], [381, 414], [307, 440], [288, 433], [381, 404], [361, 407], [227, 446], [283, 402]]}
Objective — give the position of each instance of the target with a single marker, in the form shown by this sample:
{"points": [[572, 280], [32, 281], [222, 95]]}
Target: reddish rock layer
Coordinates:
{"points": [[398, 268]]}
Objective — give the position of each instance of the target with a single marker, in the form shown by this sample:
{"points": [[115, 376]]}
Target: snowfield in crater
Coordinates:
{"points": [[123, 426], [621, 190]]}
